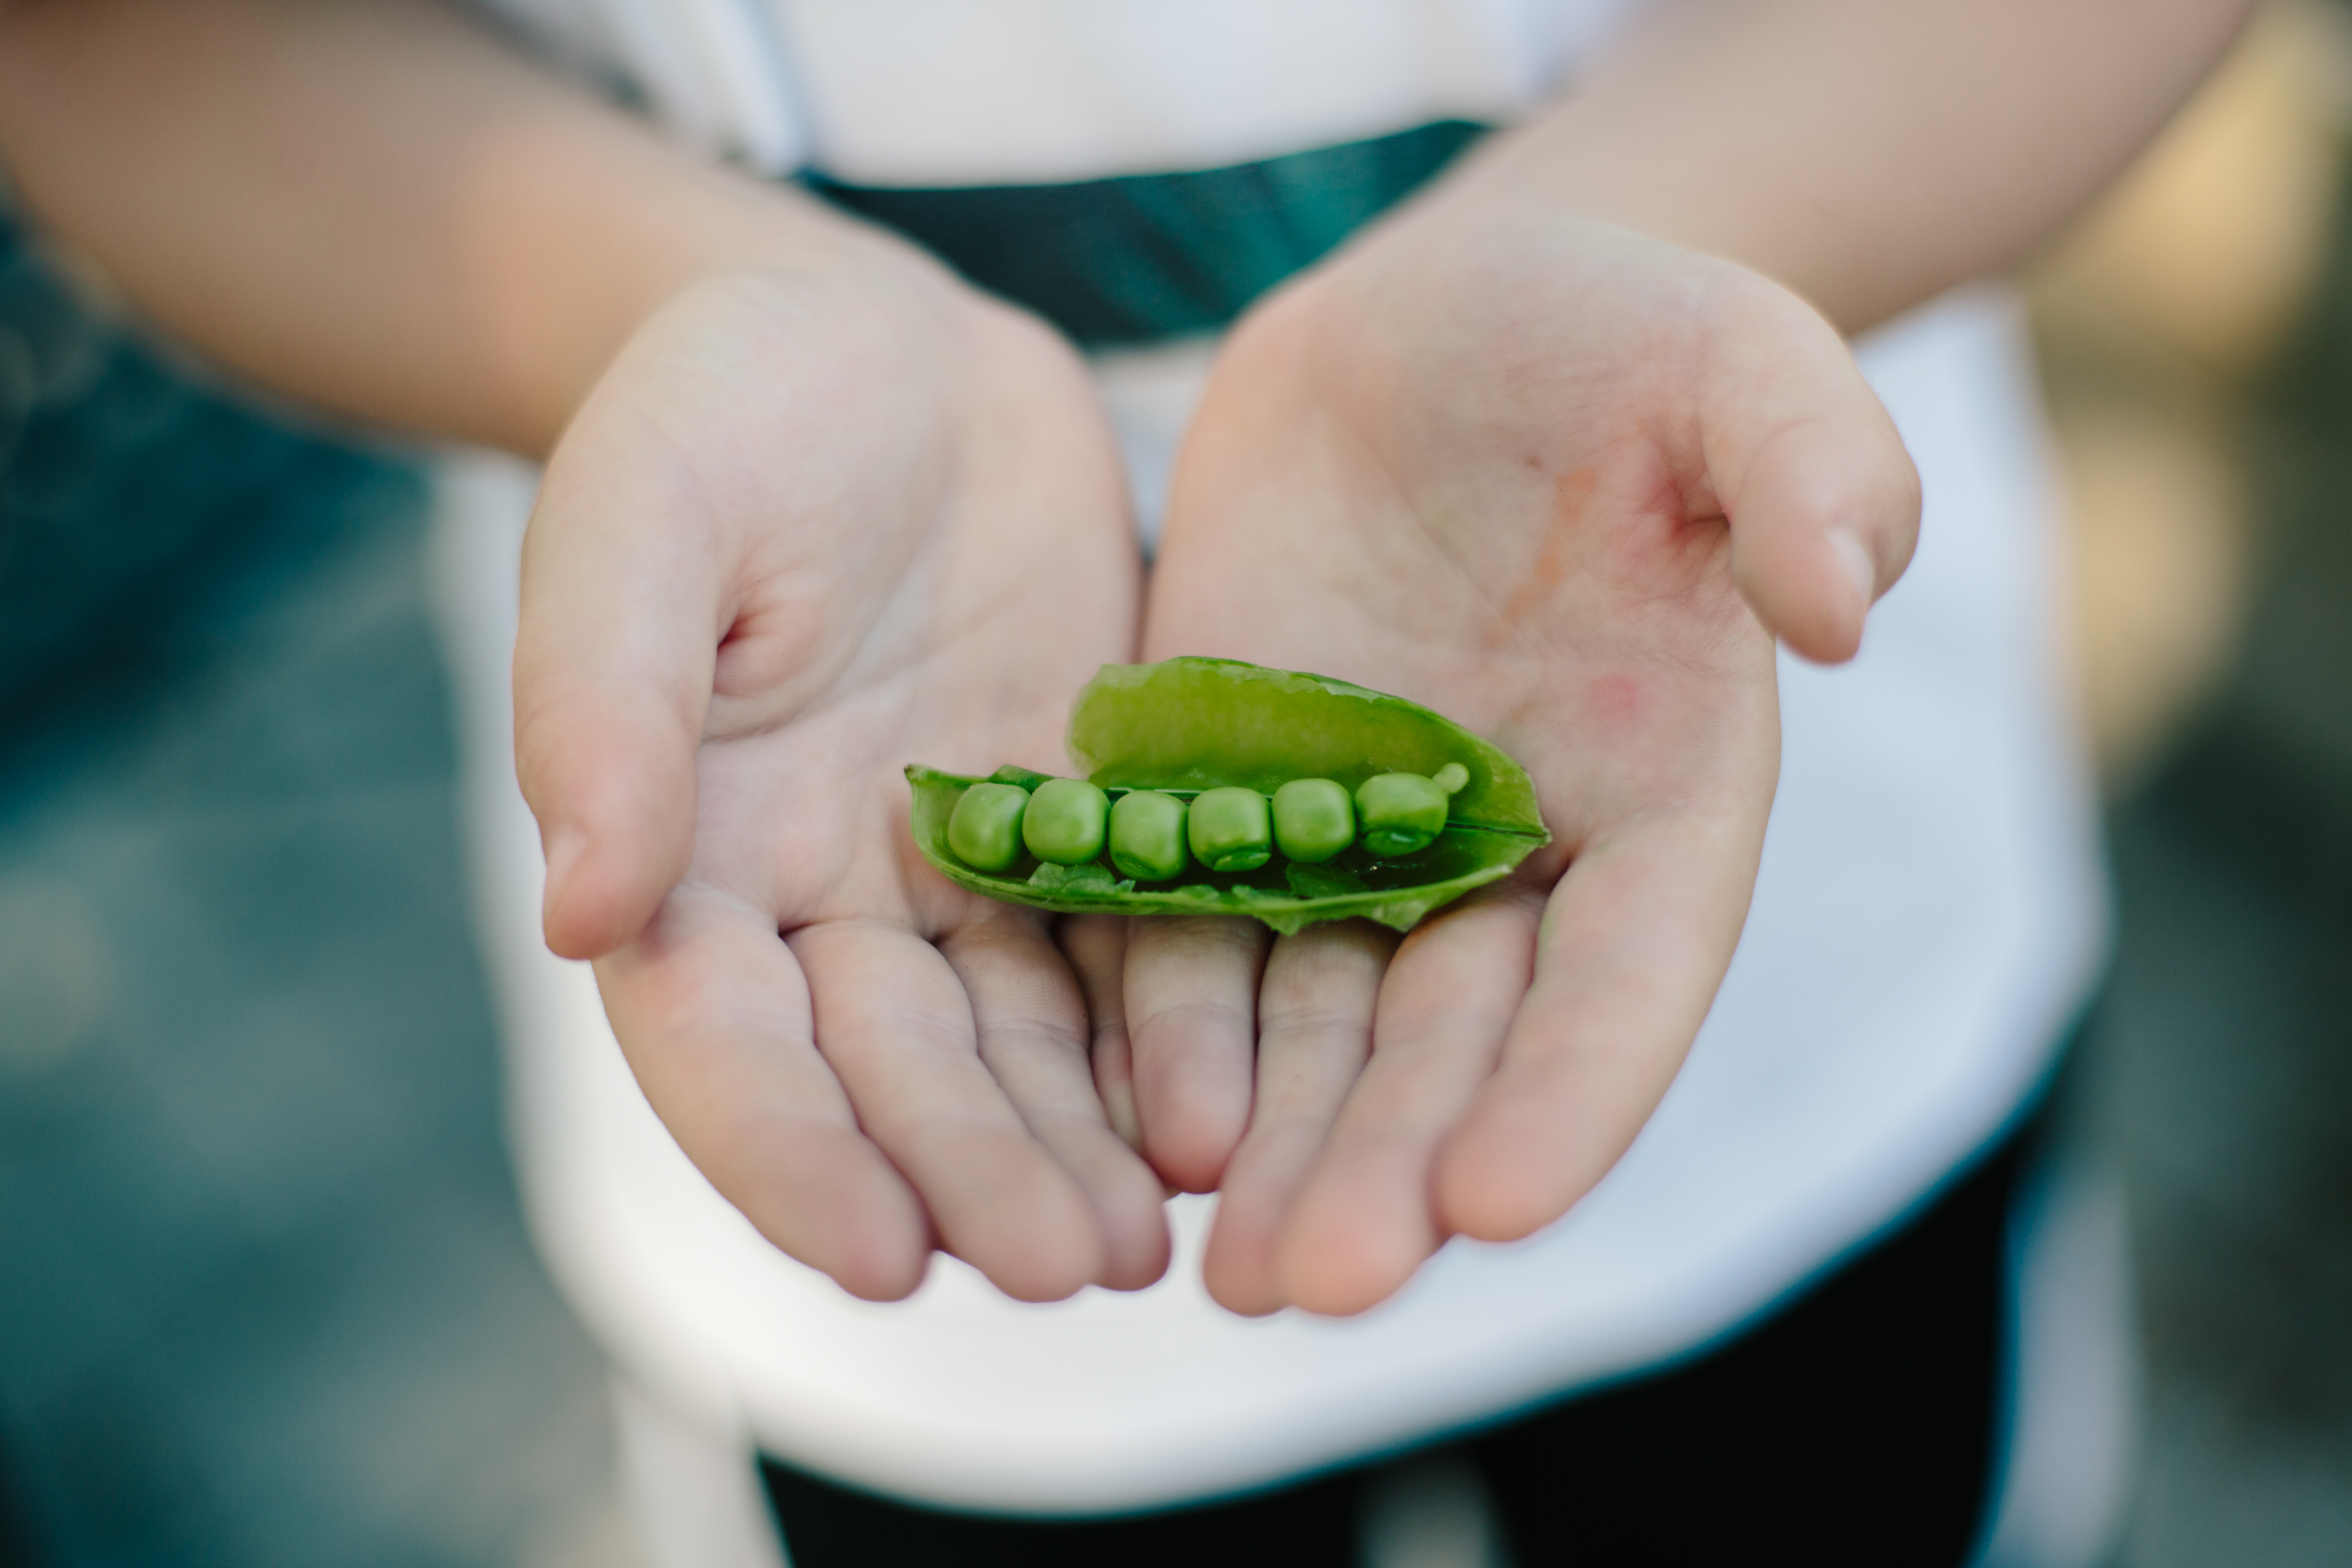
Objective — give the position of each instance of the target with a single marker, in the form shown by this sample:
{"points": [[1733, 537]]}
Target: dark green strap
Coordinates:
{"points": [[1145, 257]]}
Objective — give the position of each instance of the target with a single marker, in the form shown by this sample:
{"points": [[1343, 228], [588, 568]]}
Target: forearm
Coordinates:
{"points": [[372, 207], [1867, 154]]}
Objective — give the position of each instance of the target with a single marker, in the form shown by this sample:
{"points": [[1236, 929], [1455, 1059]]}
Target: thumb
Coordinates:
{"points": [[621, 617], [1822, 499]]}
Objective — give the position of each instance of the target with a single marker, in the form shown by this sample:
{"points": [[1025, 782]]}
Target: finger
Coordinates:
{"points": [[620, 621], [1097, 948], [1364, 1219], [712, 1012], [1191, 1010], [1033, 1037], [1314, 1033], [1634, 944], [1823, 499], [895, 1023]]}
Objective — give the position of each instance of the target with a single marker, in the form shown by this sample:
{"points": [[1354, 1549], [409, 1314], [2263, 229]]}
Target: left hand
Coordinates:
{"points": [[1565, 485]]}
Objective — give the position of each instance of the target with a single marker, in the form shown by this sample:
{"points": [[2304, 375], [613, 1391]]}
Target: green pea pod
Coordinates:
{"points": [[1193, 724]]}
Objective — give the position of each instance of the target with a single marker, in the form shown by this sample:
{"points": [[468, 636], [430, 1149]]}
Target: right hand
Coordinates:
{"points": [[812, 526], [1566, 485]]}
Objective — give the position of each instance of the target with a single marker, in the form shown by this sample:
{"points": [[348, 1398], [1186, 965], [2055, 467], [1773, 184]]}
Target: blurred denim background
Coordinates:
{"points": [[265, 1294]]}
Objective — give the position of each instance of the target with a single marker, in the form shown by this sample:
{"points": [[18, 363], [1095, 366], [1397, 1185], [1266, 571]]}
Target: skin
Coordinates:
{"points": [[1564, 586], [868, 1063], [1558, 451]]}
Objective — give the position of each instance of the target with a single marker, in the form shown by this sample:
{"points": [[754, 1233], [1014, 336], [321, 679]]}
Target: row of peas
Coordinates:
{"points": [[1153, 836]]}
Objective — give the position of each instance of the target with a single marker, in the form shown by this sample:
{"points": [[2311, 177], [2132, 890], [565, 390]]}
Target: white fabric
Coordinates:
{"points": [[1046, 90], [1069, 90], [1925, 921], [694, 1492], [1149, 394]]}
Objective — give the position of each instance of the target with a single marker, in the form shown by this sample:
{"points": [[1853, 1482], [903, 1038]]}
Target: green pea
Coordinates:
{"points": [[1313, 819], [985, 830], [1230, 829], [1065, 821], [1403, 814], [1147, 836]]}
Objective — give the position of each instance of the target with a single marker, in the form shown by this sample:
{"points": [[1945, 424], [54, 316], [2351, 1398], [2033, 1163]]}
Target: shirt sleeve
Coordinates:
{"points": [[710, 71]]}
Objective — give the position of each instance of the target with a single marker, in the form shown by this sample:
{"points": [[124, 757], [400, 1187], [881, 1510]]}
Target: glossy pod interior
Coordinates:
{"points": [[1307, 751]]}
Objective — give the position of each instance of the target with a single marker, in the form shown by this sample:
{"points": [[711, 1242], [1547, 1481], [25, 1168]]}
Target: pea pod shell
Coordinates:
{"points": [[1191, 724]]}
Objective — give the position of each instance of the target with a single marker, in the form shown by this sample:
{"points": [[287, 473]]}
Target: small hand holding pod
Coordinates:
{"points": [[1235, 761]]}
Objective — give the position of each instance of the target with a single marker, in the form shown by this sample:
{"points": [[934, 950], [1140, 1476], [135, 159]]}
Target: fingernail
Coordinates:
{"points": [[1855, 562], [564, 848]]}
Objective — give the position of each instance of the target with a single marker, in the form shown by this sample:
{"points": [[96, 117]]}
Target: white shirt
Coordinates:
{"points": [[1927, 918]]}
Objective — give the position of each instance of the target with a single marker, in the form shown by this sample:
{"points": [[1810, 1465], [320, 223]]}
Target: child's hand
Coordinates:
{"points": [[806, 529], [1486, 461]]}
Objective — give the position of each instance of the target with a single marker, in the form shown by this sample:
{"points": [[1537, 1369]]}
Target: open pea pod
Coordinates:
{"points": [[1193, 724]]}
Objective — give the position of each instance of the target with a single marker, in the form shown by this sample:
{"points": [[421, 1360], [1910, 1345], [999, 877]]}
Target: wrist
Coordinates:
{"points": [[1457, 265], [565, 323]]}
